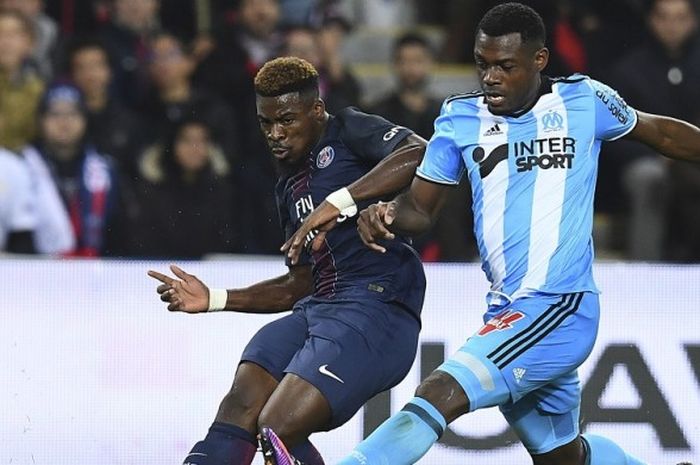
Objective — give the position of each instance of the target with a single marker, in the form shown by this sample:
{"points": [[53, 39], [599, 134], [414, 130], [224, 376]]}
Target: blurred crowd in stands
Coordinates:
{"points": [[128, 127]]}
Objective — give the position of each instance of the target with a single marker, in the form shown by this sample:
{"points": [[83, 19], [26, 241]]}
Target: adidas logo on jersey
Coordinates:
{"points": [[518, 373], [493, 130]]}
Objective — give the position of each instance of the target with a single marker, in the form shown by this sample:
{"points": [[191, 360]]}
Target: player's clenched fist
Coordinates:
{"points": [[187, 294], [373, 224]]}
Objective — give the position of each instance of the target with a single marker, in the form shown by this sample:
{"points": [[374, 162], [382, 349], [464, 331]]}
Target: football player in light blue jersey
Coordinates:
{"points": [[529, 145]]}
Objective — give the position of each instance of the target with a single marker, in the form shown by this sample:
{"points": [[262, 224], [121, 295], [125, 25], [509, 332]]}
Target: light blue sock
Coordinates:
{"points": [[602, 451], [402, 439]]}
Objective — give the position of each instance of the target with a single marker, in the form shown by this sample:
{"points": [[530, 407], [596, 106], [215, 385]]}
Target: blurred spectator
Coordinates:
{"points": [[459, 19], [79, 16], [17, 205], [126, 37], [338, 87], [338, 83], [241, 48], [380, 14], [174, 98], [45, 32], [662, 77], [254, 33], [186, 193], [53, 233], [86, 179], [194, 22], [20, 87], [187, 19], [411, 105], [295, 13], [684, 211], [567, 54], [609, 30], [113, 129]]}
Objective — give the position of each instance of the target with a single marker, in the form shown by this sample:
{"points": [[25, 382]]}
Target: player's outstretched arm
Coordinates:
{"points": [[390, 175], [187, 293], [669, 136], [410, 214]]}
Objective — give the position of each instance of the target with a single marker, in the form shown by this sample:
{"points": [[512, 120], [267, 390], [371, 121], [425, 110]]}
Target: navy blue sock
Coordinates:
{"points": [[225, 444], [307, 454]]}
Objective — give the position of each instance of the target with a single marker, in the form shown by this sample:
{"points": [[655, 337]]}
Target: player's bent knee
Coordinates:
{"points": [[243, 402], [445, 394]]}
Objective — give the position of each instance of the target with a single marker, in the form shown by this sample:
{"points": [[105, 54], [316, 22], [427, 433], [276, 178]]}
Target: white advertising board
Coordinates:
{"points": [[95, 371]]}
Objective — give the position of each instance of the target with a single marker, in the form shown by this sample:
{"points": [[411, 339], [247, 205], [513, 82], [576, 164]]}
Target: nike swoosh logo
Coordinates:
{"points": [[323, 369]]}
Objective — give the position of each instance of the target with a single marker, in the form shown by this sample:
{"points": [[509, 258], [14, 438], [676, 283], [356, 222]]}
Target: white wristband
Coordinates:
{"points": [[343, 201], [217, 299]]}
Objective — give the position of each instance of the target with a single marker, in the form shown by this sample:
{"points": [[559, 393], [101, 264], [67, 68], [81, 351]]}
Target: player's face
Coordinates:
{"points": [[508, 71], [291, 124]]}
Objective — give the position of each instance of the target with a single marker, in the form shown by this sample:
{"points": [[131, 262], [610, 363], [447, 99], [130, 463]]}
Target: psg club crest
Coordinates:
{"points": [[325, 157]]}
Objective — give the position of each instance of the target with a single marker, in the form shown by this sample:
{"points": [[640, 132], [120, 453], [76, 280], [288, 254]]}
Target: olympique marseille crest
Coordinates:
{"points": [[325, 157]]}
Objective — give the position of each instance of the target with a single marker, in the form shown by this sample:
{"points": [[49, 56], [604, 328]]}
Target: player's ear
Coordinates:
{"points": [[319, 108], [541, 58]]}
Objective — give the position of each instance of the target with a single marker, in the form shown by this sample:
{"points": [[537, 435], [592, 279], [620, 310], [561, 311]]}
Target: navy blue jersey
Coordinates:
{"points": [[352, 144]]}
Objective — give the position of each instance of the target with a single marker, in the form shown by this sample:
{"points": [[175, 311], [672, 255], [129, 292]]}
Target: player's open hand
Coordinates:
{"points": [[373, 223], [187, 294], [313, 230]]}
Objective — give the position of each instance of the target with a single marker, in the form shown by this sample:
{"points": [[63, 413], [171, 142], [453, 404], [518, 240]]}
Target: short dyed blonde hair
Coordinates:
{"points": [[284, 75]]}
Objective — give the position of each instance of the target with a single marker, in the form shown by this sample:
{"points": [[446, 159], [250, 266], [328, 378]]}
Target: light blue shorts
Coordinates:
{"points": [[524, 360]]}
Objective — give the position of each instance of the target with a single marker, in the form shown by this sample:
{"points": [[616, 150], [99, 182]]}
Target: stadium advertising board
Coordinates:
{"points": [[96, 371]]}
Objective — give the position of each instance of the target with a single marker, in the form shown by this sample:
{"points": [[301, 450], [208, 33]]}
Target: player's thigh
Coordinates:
{"points": [[262, 367], [356, 349], [276, 343], [524, 346], [547, 419]]}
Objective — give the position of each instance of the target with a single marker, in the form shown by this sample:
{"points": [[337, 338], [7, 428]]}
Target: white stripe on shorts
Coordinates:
{"points": [[477, 367]]}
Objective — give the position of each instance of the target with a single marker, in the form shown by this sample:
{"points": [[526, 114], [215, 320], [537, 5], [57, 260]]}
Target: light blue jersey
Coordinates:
{"points": [[533, 178]]}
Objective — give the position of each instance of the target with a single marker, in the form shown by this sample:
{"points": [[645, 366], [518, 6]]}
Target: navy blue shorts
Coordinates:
{"points": [[350, 349]]}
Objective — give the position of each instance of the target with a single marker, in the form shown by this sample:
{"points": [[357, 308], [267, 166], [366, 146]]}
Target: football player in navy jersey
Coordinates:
{"points": [[353, 329]]}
